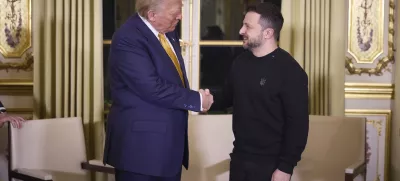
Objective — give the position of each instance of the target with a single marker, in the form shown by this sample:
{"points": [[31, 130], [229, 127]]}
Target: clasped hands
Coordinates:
{"points": [[207, 98]]}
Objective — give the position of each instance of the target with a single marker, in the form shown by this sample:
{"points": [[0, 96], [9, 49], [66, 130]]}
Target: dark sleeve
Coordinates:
{"points": [[2, 108], [136, 69], [295, 101]]}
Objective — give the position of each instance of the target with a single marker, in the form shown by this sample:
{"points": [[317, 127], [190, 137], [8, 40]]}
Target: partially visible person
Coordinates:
{"points": [[147, 126], [15, 121], [268, 90]]}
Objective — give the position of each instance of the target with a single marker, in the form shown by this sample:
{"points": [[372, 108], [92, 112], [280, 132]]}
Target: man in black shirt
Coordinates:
{"points": [[268, 90]]}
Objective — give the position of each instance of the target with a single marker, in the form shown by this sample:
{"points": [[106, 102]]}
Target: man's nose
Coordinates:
{"points": [[241, 31], [179, 17]]}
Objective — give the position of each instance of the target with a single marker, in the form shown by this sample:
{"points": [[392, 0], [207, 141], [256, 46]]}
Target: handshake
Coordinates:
{"points": [[207, 98]]}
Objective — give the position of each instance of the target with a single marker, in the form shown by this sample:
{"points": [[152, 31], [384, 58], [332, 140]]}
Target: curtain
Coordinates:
{"points": [[68, 72], [313, 33]]}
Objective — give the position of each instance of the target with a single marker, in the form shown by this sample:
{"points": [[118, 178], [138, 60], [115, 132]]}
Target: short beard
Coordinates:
{"points": [[253, 43]]}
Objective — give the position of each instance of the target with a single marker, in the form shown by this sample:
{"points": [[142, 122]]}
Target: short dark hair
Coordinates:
{"points": [[271, 16]]}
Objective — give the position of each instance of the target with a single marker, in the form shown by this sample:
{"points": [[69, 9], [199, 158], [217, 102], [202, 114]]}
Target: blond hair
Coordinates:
{"points": [[143, 6]]}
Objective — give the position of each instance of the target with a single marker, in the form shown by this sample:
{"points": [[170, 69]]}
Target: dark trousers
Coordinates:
{"points": [[131, 176], [244, 169]]}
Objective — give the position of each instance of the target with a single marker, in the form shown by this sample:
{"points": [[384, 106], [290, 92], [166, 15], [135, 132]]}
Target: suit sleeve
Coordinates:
{"points": [[295, 102], [136, 69], [2, 108]]}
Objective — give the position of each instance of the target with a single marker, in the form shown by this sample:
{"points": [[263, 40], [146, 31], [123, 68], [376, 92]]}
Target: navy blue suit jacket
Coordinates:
{"points": [[147, 124]]}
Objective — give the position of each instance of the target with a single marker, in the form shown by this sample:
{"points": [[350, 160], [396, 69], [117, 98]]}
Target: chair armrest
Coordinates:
{"points": [[97, 166], [30, 175], [354, 170]]}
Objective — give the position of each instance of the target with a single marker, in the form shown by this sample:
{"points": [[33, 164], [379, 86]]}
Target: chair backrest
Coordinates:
{"points": [[334, 143], [49, 144]]}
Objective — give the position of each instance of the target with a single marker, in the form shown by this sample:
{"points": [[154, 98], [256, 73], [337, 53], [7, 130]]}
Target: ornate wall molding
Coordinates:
{"points": [[26, 64], [15, 35], [370, 41], [368, 90], [380, 122], [16, 87]]}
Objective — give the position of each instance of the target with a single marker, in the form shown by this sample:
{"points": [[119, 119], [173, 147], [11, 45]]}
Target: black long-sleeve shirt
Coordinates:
{"points": [[270, 107]]}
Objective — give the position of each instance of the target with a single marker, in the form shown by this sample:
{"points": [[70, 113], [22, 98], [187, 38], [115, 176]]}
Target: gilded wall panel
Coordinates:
{"points": [[377, 141], [370, 36], [15, 35]]}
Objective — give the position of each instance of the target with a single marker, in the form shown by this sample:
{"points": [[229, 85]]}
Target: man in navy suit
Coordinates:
{"points": [[146, 134]]}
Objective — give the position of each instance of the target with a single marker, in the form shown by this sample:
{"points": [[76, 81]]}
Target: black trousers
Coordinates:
{"points": [[245, 169], [131, 176]]}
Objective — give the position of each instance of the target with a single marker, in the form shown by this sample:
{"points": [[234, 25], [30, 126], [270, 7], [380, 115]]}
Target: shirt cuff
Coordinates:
{"points": [[284, 167], [201, 102]]}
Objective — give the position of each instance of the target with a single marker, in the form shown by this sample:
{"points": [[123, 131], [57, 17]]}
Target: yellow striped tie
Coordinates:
{"points": [[171, 55]]}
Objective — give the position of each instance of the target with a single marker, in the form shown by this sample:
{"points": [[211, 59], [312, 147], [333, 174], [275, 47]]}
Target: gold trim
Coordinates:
{"points": [[181, 42], [20, 110], [221, 43], [199, 41], [16, 87], [191, 40], [369, 90], [106, 42], [382, 63], [28, 34], [388, 116]]}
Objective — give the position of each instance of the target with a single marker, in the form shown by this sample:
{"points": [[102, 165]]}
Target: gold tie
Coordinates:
{"points": [[171, 55]]}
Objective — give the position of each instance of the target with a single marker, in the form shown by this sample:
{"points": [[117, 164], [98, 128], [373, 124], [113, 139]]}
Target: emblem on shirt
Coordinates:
{"points": [[262, 81]]}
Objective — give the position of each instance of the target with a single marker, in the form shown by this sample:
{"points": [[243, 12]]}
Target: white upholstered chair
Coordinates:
{"points": [[49, 149], [335, 150]]}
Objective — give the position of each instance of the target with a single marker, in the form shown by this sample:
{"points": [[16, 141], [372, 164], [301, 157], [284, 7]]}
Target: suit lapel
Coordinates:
{"points": [[177, 48], [142, 27]]}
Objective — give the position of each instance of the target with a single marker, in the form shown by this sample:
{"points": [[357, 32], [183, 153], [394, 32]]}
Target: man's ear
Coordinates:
{"points": [[151, 15], [269, 33]]}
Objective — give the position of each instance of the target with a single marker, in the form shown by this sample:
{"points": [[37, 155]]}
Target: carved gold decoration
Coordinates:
{"points": [[377, 125], [366, 36], [16, 87], [369, 90], [15, 27], [184, 45], [26, 64], [388, 117]]}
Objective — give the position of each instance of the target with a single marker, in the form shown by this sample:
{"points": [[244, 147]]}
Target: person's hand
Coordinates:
{"points": [[208, 99], [15, 121], [280, 176]]}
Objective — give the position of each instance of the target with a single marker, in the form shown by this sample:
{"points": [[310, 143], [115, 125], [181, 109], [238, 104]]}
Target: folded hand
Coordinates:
{"points": [[15, 121]]}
